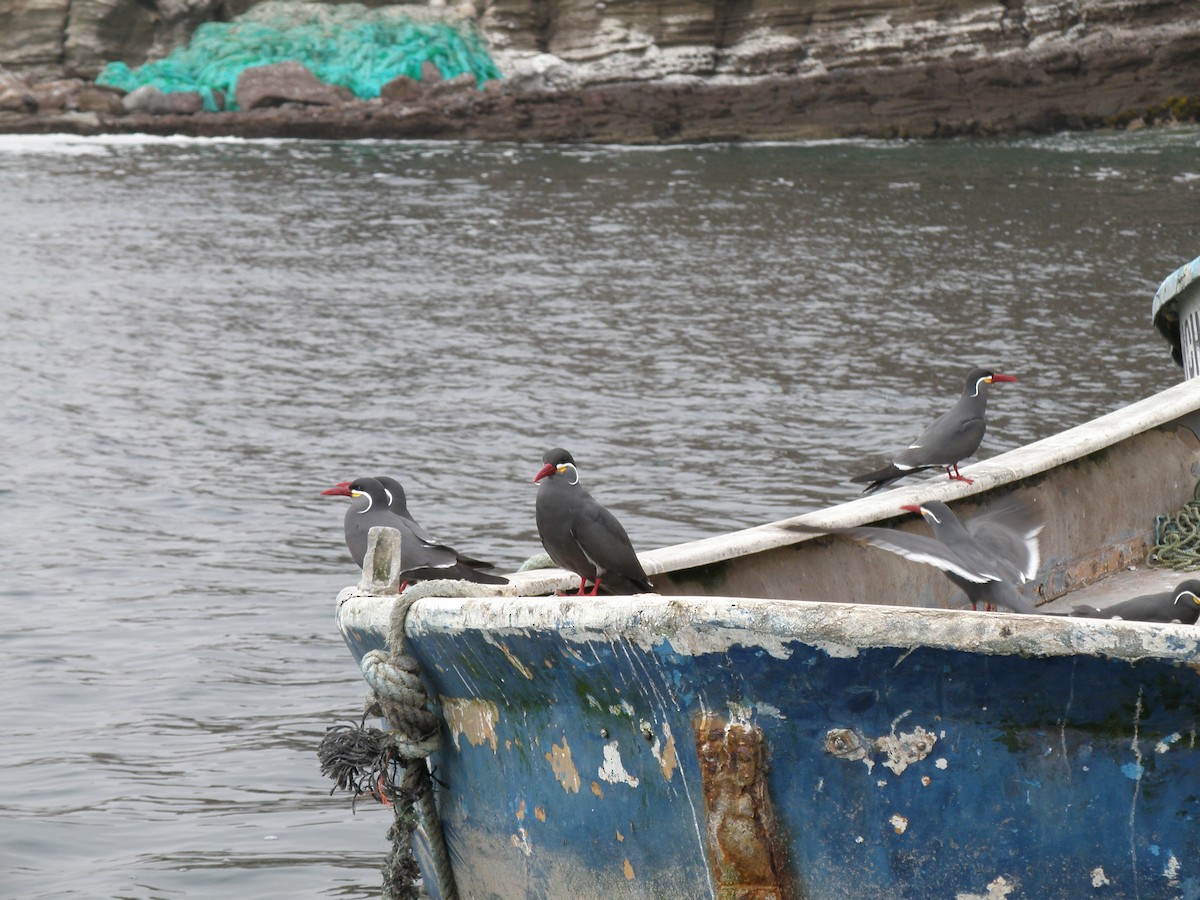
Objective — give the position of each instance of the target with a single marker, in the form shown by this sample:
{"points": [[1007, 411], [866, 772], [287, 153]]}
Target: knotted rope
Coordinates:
{"points": [[1177, 538], [390, 765]]}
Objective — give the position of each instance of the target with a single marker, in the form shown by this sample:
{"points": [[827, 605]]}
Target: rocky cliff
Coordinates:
{"points": [[714, 69]]}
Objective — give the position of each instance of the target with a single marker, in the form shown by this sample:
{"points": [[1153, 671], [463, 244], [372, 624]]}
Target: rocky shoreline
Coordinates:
{"points": [[1077, 73], [627, 113]]}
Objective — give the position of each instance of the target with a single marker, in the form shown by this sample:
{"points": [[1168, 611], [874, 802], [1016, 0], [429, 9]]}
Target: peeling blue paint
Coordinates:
{"points": [[1027, 778], [1133, 771]]}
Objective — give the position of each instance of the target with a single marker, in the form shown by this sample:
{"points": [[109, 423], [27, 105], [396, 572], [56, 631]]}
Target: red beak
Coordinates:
{"points": [[1000, 377], [547, 469], [912, 507], [341, 489]]}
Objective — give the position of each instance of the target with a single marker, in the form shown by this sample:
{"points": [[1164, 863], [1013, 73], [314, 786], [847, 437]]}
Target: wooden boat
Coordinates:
{"points": [[798, 716]]}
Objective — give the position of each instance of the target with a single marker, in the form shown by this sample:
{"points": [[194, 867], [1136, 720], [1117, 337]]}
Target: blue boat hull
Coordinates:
{"points": [[747, 753]]}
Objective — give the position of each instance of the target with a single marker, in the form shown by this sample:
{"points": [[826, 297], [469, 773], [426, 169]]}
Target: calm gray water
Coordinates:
{"points": [[199, 336]]}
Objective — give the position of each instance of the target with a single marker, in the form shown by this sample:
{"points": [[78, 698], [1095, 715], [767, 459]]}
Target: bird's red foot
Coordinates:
{"points": [[954, 475]]}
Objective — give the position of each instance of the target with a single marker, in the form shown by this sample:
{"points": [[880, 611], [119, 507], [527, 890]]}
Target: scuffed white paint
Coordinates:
{"points": [[941, 763], [899, 823], [746, 712], [612, 769], [768, 709], [837, 650], [1140, 768], [997, 889], [846, 743], [1099, 879], [905, 748], [1171, 870], [699, 626], [520, 840], [900, 749], [704, 641], [740, 713], [1165, 744]]}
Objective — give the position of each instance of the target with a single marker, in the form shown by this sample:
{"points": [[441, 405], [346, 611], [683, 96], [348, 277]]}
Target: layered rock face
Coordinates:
{"points": [[68, 38], [622, 39], [75, 38], [714, 69]]}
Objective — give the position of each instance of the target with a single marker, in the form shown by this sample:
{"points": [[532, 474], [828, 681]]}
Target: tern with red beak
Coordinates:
{"points": [[953, 436], [422, 557], [987, 556], [582, 536]]}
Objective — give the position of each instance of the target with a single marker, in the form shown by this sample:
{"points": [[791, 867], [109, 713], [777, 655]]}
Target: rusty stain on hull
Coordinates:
{"points": [[745, 843]]}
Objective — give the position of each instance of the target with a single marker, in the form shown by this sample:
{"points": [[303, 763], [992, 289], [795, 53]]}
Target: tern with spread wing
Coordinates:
{"points": [[987, 556]]}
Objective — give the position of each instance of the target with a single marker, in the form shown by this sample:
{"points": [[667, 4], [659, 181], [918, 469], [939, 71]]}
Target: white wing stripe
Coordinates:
{"points": [[941, 562]]}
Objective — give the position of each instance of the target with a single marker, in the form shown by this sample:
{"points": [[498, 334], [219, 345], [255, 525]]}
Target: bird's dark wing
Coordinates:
{"points": [[952, 437], [606, 544], [426, 541]]}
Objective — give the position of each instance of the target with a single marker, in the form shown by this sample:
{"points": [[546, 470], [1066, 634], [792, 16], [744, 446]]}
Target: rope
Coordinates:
{"points": [[1177, 538], [390, 765], [537, 561]]}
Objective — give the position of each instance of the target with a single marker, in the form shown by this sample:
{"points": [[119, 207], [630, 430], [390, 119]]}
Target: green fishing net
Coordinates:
{"points": [[359, 48]]}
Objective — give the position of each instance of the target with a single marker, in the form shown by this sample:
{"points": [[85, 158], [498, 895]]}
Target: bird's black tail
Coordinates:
{"points": [[614, 583], [880, 477], [885, 476]]}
